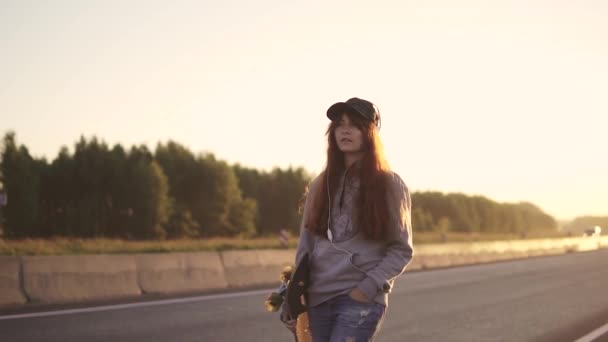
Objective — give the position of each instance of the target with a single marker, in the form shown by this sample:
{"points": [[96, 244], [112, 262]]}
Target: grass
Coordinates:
{"points": [[67, 246], [434, 237], [64, 246]]}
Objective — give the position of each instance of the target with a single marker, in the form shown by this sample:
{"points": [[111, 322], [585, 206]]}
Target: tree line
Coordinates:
{"points": [[98, 191], [582, 223], [171, 192], [438, 212]]}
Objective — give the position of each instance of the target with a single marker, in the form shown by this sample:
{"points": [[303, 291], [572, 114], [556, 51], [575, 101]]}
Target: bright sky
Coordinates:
{"points": [[507, 99]]}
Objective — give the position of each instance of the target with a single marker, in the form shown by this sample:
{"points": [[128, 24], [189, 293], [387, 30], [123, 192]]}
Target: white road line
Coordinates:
{"points": [[594, 334], [135, 305]]}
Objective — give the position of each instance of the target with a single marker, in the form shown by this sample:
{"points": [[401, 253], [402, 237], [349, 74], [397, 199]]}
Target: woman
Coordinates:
{"points": [[355, 227]]}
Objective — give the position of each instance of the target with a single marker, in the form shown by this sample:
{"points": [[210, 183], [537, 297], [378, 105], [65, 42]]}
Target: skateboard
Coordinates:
{"points": [[292, 289]]}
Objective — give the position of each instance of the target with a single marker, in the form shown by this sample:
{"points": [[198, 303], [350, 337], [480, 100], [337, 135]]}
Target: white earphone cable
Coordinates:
{"points": [[351, 255]]}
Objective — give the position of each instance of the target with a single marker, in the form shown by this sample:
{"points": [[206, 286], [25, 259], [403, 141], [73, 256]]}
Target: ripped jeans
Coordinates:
{"points": [[343, 319]]}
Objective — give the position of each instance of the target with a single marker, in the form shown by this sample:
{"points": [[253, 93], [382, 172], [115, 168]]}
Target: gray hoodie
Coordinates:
{"points": [[351, 260]]}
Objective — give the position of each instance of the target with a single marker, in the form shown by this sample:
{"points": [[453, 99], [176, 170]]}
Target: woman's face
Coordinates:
{"points": [[348, 136]]}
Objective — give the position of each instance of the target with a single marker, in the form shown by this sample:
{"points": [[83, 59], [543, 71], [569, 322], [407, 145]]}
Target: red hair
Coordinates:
{"points": [[371, 210]]}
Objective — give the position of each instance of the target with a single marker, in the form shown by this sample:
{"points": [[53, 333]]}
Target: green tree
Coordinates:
{"points": [[181, 224], [148, 195], [21, 175], [278, 194], [88, 189], [422, 221], [242, 217], [180, 165], [97, 192], [477, 214], [208, 189]]}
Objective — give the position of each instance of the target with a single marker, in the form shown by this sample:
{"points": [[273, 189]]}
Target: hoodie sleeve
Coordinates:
{"points": [[399, 249]]}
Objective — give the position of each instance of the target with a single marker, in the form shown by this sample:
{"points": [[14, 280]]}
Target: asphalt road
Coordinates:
{"points": [[557, 298]]}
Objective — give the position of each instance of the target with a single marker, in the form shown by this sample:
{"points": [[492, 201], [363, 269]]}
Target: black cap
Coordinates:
{"points": [[357, 106]]}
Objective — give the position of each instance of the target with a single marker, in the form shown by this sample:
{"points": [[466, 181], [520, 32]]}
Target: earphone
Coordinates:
{"points": [[378, 117], [329, 234]]}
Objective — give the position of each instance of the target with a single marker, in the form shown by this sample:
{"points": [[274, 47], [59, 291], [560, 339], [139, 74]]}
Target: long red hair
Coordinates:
{"points": [[371, 210]]}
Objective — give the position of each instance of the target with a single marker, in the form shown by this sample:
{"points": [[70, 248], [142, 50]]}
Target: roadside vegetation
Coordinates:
{"points": [[65, 246]]}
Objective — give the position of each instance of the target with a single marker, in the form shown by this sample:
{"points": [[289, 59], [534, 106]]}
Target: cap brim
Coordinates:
{"points": [[339, 108]]}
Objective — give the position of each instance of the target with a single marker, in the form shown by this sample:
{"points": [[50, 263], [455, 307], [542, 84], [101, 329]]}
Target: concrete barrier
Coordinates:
{"points": [[10, 281], [56, 279], [251, 268], [455, 254], [180, 272]]}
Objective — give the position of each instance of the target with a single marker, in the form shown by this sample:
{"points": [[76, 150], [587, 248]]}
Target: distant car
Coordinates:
{"points": [[594, 231]]}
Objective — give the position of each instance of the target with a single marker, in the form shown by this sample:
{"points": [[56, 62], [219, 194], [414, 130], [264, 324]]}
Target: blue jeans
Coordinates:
{"points": [[343, 319]]}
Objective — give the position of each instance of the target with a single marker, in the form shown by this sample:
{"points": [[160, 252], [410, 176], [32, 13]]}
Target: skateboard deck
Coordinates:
{"points": [[294, 283]]}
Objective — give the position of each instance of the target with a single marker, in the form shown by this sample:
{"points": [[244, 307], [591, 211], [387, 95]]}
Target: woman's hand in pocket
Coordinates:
{"points": [[358, 295]]}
